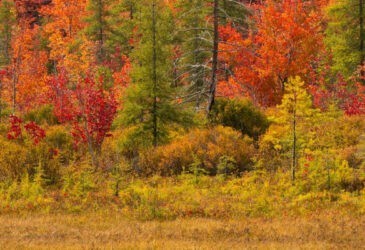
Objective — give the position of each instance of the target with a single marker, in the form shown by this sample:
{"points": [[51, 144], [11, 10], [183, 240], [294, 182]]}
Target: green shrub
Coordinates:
{"points": [[42, 115], [241, 115]]}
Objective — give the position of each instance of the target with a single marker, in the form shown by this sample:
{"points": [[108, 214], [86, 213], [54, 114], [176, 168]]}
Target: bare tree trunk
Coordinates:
{"points": [[196, 61], [90, 145], [361, 22], [154, 62], [294, 153], [15, 79], [100, 53], [213, 84]]}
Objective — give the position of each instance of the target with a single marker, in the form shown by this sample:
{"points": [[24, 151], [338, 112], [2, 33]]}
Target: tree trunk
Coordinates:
{"points": [[213, 84], [294, 153], [196, 79], [15, 72], [361, 23], [100, 56], [154, 62]]}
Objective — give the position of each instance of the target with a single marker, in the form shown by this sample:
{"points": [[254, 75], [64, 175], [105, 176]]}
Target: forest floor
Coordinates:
{"points": [[101, 231]]}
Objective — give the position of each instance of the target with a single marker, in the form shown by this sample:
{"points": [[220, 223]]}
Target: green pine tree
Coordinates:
{"points": [[126, 13], [345, 35], [7, 22], [149, 100], [109, 26]]}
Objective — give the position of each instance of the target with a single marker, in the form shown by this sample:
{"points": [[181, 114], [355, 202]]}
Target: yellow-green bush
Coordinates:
{"points": [[50, 161], [79, 180], [42, 115], [22, 156], [59, 138], [327, 131], [13, 160]]}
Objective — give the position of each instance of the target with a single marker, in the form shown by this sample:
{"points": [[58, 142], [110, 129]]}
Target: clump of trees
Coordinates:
{"points": [[147, 87]]}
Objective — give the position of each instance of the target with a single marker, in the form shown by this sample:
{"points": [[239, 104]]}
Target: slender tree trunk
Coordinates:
{"points": [[70, 26], [7, 43], [90, 145], [361, 22], [100, 56], [154, 62], [131, 12], [196, 61], [15, 78], [89, 138], [328, 173], [213, 84], [294, 153]]}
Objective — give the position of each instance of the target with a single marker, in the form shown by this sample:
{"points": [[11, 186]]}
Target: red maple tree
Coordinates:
{"points": [[88, 107]]}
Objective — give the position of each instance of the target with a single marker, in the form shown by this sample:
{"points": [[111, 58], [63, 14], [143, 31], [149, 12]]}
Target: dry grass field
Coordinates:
{"points": [[101, 231]]}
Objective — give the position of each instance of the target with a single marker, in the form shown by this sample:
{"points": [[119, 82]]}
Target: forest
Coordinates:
{"points": [[161, 113]]}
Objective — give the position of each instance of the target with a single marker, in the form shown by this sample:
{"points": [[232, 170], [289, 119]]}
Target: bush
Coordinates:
{"points": [[20, 157], [274, 149], [42, 115], [79, 181], [241, 115], [12, 160], [205, 149], [59, 139], [328, 172], [324, 131]]}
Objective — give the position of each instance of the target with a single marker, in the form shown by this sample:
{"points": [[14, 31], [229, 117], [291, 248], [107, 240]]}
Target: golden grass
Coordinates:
{"points": [[102, 231]]}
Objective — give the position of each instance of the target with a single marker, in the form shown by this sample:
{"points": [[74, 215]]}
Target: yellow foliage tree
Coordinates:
{"points": [[295, 109]]}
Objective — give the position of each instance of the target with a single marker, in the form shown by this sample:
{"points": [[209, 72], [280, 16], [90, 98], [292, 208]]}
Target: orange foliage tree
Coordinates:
{"points": [[286, 42], [25, 84], [68, 49]]}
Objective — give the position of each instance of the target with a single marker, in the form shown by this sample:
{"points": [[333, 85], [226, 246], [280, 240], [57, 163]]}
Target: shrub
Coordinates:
{"points": [[241, 115], [59, 140], [205, 149], [328, 171], [324, 131], [12, 160], [79, 181], [42, 115]]}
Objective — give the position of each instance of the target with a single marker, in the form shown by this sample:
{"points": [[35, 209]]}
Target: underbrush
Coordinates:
{"points": [[255, 194]]}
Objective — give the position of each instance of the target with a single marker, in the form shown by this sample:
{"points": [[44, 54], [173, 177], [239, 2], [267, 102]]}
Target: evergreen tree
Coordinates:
{"points": [[345, 35], [99, 28], [149, 105], [7, 22], [109, 26], [122, 22]]}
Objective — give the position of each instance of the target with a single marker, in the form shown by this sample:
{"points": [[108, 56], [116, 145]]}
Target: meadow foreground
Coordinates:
{"points": [[111, 231]]}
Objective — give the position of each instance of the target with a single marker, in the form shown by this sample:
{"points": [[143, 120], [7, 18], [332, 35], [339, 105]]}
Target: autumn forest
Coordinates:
{"points": [[195, 112]]}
